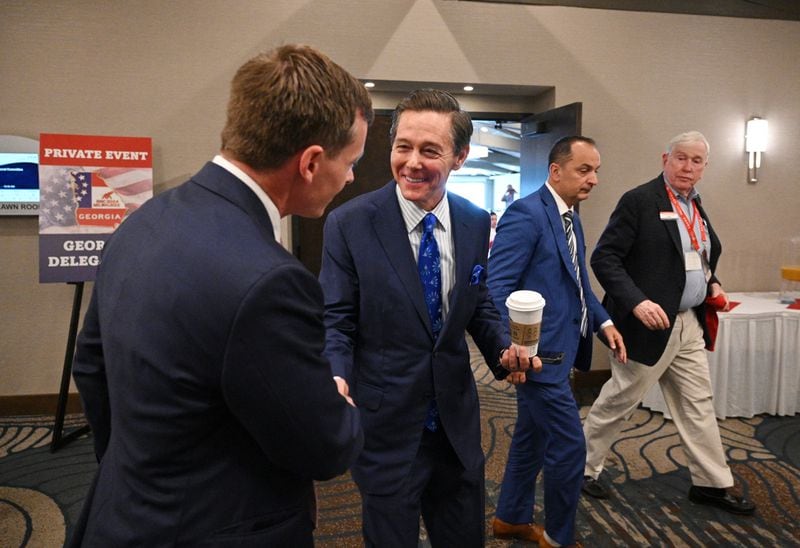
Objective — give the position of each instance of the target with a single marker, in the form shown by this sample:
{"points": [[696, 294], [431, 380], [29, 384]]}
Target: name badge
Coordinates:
{"points": [[692, 260], [667, 215]]}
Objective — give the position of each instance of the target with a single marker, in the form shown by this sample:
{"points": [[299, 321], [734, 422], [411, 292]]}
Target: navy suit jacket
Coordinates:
{"points": [[201, 373], [379, 334], [639, 256], [530, 252]]}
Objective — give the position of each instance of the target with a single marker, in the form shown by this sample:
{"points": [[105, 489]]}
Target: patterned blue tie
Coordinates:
{"points": [[430, 273]]}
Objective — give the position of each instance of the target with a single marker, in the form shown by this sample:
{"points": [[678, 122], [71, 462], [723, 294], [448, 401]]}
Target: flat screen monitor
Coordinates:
{"points": [[19, 176]]}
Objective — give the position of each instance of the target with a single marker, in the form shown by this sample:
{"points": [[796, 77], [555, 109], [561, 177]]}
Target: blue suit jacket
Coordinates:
{"points": [[379, 334], [530, 252], [201, 373]]}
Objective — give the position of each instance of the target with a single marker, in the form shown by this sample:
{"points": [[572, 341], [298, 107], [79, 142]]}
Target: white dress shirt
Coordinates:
{"points": [[272, 210]]}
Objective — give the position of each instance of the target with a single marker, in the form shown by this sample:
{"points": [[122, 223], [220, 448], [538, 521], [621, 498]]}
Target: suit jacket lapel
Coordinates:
{"points": [[225, 184], [391, 230], [580, 243], [557, 226], [664, 204], [459, 224]]}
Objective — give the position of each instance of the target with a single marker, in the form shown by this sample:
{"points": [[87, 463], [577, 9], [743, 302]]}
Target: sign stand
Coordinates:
{"points": [[59, 440]]}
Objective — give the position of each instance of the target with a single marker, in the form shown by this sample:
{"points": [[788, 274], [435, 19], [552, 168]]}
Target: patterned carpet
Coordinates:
{"points": [[41, 493]]}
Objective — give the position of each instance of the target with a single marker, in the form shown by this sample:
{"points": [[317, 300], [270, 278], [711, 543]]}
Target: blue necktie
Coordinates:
{"points": [[430, 273]]}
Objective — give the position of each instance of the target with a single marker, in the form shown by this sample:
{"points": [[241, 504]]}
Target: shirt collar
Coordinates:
{"points": [[272, 210], [413, 214], [692, 193], [560, 203]]}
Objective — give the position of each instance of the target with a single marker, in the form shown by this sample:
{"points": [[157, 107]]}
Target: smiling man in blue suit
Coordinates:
{"points": [[404, 276], [539, 246], [200, 360]]}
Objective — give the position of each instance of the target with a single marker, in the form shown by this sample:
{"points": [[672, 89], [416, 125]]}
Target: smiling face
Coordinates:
{"points": [[423, 156], [575, 177], [684, 165]]}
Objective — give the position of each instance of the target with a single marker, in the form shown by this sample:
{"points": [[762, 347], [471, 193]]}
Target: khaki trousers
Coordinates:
{"points": [[682, 373]]}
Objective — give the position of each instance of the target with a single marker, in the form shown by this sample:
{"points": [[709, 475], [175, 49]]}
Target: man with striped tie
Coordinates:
{"points": [[539, 246]]}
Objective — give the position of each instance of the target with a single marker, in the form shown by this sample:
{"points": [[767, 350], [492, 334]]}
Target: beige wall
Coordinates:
{"points": [[161, 69]]}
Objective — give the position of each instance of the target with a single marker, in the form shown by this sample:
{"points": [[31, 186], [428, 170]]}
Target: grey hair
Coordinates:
{"points": [[689, 137]]}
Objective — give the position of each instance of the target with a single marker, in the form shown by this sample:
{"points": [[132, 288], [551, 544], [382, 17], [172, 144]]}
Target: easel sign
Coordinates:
{"points": [[88, 185]]}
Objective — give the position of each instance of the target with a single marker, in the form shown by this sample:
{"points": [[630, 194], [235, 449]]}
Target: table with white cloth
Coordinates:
{"points": [[755, 367]]}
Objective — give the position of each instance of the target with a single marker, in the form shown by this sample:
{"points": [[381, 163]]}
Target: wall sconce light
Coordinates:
{"points": [[755, 142]]}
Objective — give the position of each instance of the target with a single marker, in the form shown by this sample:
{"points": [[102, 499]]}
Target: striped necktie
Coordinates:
{"points": [[573, 252]]}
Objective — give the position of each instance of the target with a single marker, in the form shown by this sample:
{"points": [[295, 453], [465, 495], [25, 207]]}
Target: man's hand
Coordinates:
{"points": [[517, 377], [344, 390], [651, 315], [516, 358], [716, 291], [615, 343]]}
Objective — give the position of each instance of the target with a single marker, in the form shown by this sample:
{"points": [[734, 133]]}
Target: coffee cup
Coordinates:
{"points": [[525, 318]]}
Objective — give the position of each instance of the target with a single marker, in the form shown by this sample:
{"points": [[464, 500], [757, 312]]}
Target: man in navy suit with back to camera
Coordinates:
{"points": [[539, 246], [200, 360], [404, 276]]}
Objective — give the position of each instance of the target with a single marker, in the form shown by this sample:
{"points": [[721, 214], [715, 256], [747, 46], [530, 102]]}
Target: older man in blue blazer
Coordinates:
{"points": [[539, 246], [396, 322]]}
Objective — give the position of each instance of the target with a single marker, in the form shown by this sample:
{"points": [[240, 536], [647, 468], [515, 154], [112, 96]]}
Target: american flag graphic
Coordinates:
{"points": [[82, 186], [64, 189], [57, 199], [133, 185]]}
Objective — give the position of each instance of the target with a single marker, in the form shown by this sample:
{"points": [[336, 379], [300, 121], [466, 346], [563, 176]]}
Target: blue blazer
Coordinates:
{"points": [[530, 252], [201, 373], [379, 334]]}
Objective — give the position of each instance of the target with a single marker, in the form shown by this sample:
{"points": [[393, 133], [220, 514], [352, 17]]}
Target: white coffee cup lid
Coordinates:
{"points": [[525, 300]]}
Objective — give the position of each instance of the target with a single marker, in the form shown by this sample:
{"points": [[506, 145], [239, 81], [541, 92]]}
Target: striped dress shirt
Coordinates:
{"points": [[412, 216]]}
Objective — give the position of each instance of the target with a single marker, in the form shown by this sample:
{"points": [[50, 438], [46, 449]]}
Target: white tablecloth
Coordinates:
{"points": [[755, 367]]}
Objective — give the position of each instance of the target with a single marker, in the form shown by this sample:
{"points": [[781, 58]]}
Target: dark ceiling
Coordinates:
{"points": [[788, 10]]}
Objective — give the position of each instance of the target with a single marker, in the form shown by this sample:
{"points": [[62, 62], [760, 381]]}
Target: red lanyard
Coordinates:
{"points": [[689, 226]]}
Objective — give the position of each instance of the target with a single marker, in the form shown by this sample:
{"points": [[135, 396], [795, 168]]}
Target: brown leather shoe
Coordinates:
{"points": [[524, 531]]}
